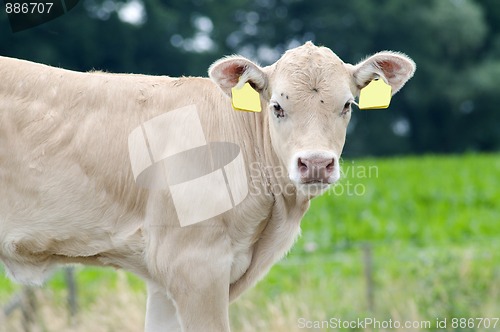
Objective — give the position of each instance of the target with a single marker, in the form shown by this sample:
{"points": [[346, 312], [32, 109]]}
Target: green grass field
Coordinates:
{"points": [[432, 225]]}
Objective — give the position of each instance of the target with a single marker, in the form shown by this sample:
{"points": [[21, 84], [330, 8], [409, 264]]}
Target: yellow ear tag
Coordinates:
{"points": [[377, 94], [246, 99]]}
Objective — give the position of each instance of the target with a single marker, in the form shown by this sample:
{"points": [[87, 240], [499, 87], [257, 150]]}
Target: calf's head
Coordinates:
{"points": [[308, 94]]}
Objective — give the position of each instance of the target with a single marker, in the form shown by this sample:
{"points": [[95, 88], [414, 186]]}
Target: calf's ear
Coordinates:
{"points": [[235, 71], [395, 68]]}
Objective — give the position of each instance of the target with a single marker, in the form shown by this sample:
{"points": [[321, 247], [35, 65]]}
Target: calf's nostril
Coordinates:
{"points": [[330, 166], [302, 166]]}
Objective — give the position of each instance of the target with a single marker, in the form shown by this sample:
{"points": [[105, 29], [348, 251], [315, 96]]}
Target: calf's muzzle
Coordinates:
{"points": [[316, 168]]}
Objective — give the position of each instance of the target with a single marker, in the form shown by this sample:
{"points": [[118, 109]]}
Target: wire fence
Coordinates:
{"points": [[25, 300]]}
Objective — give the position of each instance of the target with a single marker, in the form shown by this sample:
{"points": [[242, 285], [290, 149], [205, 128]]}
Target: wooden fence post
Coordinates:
{"points": [[25, 300], [72, 292], [28, 308], [368, 268]]}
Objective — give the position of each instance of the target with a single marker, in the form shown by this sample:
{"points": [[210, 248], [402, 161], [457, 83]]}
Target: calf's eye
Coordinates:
{"points": [[347, 108], [278, 111]]}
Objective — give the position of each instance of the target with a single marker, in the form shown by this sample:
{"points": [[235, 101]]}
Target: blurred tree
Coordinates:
{"points": [[450, 105]]}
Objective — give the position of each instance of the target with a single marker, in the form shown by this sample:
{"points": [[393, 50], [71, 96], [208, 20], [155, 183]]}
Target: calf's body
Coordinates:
{"points": [[68, 195]]}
